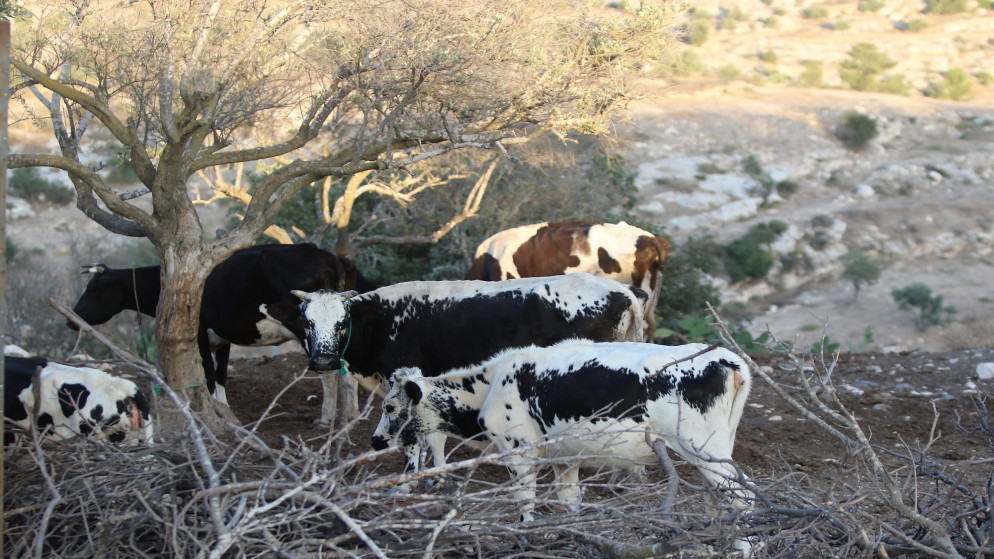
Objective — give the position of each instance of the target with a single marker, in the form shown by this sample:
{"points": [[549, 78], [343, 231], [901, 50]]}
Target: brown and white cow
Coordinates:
{"points": [[614, 250]]}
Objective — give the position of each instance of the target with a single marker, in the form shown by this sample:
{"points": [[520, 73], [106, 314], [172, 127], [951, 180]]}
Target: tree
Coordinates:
{"points": [[860, 270], [930, 308], [303, 91]]}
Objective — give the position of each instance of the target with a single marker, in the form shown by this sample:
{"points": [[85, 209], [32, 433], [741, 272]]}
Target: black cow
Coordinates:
{"points": [[247, 299], [73, 401]]}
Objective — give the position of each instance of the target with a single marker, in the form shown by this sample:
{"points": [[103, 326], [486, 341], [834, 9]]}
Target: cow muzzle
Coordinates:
{"points": [[324, 363], [379, 443]]}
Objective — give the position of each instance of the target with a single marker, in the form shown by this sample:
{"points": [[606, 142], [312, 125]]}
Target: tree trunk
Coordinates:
{"points": [[183, 278]]}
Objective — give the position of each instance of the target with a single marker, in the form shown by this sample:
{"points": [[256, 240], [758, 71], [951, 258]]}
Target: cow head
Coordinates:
{"points": [[326, 321], [102, 299], [405, 418]]}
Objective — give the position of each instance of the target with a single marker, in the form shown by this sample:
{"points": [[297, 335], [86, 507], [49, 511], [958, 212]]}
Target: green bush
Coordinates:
{"points": [[856, 130], [815, 12], [916, 24], [27, 183], [738, 14], [701, 13], [770, 21], [687, 289], [946, 6], [870, 5], [956, 85], [931, 310], [746, 259], [860, 270], [985, 78], [699, 32], [812, 75], [728, 71], [865, 63], [840, 25], [894, 84], [769, 56]]}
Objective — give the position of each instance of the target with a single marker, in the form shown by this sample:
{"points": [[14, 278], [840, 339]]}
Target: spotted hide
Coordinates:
{"points": [[580, 403], [438, 326], [617, 251], [246, 300], [73, 401]]}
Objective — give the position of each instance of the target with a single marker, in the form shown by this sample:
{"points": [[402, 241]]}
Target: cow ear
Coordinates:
{"points": [[413, 392], [349, 294], [94, 269], [303, 295]]}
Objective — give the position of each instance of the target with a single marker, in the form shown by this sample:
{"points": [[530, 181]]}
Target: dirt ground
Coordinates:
{"points": [[892, 394]]}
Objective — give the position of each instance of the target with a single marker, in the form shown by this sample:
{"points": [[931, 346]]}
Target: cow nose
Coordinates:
{"points": [[323, 363], [379, 443]]}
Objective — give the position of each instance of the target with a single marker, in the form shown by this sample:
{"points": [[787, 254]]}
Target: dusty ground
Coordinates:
{"points": [[891, 394]]}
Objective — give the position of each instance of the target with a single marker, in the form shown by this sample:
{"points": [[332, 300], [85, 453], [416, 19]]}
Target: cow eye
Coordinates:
{"points": [[388, 408]]}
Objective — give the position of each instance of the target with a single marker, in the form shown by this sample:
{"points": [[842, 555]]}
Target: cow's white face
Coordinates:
{"points": [[404, 419], [326, 326]]}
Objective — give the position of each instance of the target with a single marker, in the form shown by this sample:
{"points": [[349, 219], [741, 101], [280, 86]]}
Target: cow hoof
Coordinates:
{"points": [[322, 422]]}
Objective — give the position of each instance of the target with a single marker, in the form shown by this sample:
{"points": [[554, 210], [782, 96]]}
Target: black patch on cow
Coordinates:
{"points": [[117, 436], [455, 418], [44, 420], [486, 268], [702, 390], [72, 397], [413, 392], [607, 262], [18, 372], [606, 392], [97, 413]]}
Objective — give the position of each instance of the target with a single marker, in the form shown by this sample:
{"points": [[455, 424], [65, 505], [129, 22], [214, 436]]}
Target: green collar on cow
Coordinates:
{"points": [[348, 338]]}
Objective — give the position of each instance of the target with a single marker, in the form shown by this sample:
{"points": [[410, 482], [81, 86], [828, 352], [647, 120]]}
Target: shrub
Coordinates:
{"points": [[894, 84], [956, 85], [864, 65], [985, 78], [812, 75], [786, 188], [930, 308], [946, 6], [747, 259], [728, 71], [856, 130], [870, 5], [28, 183], [815, 12], [699, 32], [701, 13], [769, 56], [688, 288], [771, 21], [916, 24], [738, 14], [860, 270], [840, 25]]}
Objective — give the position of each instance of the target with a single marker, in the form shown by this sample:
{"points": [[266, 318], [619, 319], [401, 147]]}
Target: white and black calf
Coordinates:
{"points": [[247, 299], [580, 403], [437, 326], [618, 251], [73, 401]]}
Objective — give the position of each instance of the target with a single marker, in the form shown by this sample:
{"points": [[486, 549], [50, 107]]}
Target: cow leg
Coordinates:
{"points": [[207, 357], [523, 470], [329, 398], [221, 372], [568, 479]]}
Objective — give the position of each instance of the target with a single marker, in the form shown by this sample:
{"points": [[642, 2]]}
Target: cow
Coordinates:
{"points": [[73, 401], [440, 325], [617, 251], [580, 403], [247, 299]]}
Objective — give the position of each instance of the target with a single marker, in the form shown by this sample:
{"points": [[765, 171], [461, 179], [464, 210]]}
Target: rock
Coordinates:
{"points": [[985, 371], [18, 208]]}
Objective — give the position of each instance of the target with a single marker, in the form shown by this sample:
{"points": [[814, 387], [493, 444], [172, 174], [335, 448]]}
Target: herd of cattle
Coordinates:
{"points": [[545, 341]]}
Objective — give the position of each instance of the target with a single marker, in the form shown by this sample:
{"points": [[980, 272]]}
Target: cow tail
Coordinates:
{"points": [[739, 384]]}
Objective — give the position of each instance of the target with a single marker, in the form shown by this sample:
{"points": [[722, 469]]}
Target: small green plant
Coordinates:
{"points": [[812, 75], [709, 169], [864, 344], [815, 12], [956, 85], [856, 130], [931, 310], [769, 56], [894, 84], [985, 78], [699, 32], [870, 5], [738, 14], [840, 25], [916, 24], [701, 13], [770, 21], [825, 346], [860, 270], [27, 183], [747, 257], [728, 71], [946, 6]]}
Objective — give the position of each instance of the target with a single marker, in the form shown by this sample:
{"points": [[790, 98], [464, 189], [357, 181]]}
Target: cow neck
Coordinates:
{"points": [[341, 358]]}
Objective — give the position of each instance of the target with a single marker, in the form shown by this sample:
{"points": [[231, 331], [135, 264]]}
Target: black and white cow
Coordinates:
{"points": [[613, 250], [440, 325], [247, 299], [579, 403], [73, 401]]}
